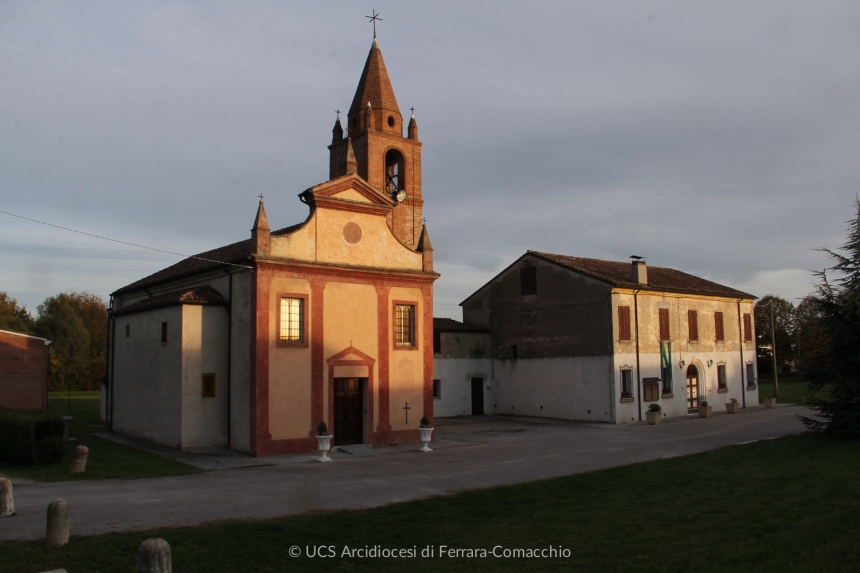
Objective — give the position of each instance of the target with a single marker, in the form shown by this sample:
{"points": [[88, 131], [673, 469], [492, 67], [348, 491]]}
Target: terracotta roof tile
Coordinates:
{"points": [[620, 274], [202, 295]]}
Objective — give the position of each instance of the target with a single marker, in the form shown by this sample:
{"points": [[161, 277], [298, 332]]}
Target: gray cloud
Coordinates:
{"points": [[720, 139]]}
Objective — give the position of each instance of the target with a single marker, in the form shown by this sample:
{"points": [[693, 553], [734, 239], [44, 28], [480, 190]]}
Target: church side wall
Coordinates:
{"points": [[406, 382], [240, 364], [204, 350], [147, 376]]}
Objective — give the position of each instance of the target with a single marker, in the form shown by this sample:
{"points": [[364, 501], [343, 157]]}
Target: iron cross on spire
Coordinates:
{"points": [[373, 19], [261, 197], [337, 111]]}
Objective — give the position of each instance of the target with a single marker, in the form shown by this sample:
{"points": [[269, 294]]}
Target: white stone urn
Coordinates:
{"points": [[324, 446], [426, 433]]}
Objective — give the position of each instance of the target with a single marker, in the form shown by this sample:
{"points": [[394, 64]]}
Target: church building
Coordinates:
{"points": [[251, 345]]}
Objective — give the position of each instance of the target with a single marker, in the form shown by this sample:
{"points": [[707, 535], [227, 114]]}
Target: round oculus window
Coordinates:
{"points": [[351, 233]]}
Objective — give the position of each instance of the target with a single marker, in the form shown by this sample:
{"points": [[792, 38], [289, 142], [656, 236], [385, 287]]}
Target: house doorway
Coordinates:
{"points": [[692, 388], [348, 405], [477, 396]]}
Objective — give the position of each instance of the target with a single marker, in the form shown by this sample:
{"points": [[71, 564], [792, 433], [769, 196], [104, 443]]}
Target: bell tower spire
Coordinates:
{"points": [[385, 159]]}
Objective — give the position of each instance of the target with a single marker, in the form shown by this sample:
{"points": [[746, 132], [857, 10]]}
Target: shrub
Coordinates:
{"points": [[322, 429], [655, 408], [424, 423], [25, 437]]}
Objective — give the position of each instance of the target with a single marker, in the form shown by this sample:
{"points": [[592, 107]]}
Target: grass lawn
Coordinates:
{"points": [[774, 506], [106, 459], [792, 390]]}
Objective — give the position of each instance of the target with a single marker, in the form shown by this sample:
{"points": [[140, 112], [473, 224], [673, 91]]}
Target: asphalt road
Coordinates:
{"points": [[472, 452]]}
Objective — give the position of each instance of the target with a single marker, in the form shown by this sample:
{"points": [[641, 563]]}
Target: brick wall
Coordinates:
{"points": [[23, 371]]}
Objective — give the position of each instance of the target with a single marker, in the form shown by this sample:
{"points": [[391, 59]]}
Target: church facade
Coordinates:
{"points": [[252, 345]]}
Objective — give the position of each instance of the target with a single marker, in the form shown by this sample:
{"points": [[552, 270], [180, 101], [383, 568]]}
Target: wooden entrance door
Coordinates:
{"points": [[477, 396], [692, 387], [348, 405]]}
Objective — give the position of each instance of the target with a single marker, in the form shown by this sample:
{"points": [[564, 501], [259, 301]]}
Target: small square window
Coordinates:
{"points": [[127, 330], [208, 385], [437, 342], [437, 389], [528, 281], [164, 333]]}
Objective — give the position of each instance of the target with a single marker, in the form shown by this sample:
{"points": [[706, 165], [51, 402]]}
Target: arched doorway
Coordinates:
{"points": [[692, 387]]}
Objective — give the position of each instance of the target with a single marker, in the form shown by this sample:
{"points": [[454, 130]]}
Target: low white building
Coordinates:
{"points": [[588, 339]]}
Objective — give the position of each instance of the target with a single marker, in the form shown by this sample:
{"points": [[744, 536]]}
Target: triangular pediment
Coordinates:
{"points": [[351, 355], [349, 187]]}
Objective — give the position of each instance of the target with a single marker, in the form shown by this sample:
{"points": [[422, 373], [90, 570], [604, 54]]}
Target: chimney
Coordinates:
{"points": [[640, 272]]}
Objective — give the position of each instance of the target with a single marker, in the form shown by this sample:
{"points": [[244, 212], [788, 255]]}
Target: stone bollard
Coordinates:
{"points": [[57, 533], [153, 556], [79, 464], [7, 502]]}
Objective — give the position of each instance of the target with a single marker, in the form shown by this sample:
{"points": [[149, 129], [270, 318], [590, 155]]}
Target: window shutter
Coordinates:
{"points": [[693, 324], [718, 326], [624, 323], [664, 324], [747, 327]]}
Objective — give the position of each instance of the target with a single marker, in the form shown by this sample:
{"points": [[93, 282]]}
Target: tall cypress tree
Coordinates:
{"points": [[837, 367]]}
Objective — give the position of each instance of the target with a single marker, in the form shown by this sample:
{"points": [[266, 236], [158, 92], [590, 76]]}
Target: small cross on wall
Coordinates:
{"points": [[407, 408]]}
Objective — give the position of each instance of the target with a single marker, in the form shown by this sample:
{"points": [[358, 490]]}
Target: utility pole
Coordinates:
{"points": [[773, 352]]}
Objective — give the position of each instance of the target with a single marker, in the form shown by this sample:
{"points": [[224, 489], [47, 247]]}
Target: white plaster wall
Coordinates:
{"points": [[147, 376], [677, 404], [240, 364], [570, 388], [456, 378], [204, 349]]}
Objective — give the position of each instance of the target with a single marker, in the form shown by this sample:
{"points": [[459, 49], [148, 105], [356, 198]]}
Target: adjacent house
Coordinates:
{"points": [[588, 339]]}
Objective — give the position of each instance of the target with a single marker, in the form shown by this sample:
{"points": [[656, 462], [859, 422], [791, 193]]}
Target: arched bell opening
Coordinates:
{"points": [[394, 175]]}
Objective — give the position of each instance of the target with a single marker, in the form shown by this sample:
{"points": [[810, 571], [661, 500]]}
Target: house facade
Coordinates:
{"points": [[587, 339], [252, 345]]}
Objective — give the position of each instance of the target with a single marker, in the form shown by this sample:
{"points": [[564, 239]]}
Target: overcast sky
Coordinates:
{"points": [[718, 138]]}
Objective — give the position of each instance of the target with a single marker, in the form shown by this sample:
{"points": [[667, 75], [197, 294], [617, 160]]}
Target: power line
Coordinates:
{"points": [[125, 242]]}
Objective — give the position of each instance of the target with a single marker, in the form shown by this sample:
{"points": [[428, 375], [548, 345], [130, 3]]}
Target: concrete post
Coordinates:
{"points": [[57, 533], [153, 556], [79, 464], [7, 502]]}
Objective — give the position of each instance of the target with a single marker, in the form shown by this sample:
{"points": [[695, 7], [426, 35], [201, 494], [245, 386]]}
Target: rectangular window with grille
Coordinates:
{"points": [[719, 333], [693, 325], [437, 389], [626, 383], [528, 281], [404, 325], [292, 320], [664, 324], [722, 382], [752, 379], [747, 327], [624, 323]]}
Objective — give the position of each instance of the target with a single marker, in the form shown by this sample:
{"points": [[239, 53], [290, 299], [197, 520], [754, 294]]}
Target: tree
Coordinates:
{"points": [[13, 317], [837, 367], [784, 318], [77, 323]]}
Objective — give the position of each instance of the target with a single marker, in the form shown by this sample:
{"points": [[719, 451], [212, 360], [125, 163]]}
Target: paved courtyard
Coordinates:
{"points": [[471, 452]]}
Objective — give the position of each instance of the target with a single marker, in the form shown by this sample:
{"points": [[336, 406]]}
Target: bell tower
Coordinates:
{"points": [[373, 146]]}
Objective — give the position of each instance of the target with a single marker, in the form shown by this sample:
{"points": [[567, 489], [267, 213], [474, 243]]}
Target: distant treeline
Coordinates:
{"points": [[76, 322]]}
